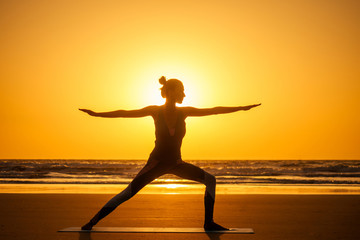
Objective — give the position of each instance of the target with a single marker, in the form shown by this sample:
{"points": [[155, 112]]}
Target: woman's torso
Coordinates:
{"points": [[168, 138]]}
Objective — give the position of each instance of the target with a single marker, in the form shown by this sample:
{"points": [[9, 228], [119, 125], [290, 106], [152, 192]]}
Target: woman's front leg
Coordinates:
{"points": [[192, 172]]}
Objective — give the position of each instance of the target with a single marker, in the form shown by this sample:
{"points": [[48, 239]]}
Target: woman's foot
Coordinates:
{"points": [[87, 226], [211, 226]]}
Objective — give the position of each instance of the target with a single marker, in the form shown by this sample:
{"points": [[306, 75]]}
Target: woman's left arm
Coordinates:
{"points": [[199, 112], [146, 111]]}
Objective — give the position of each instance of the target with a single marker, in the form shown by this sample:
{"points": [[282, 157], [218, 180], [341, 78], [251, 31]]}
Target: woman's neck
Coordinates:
{"points": [[170, 105]]}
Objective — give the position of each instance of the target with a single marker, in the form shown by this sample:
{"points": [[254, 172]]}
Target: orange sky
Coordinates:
{"points": [[300, 59]]}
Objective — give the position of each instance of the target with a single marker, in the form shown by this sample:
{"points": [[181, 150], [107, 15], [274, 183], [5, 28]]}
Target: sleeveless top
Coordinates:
{"points": [[167, 146]]}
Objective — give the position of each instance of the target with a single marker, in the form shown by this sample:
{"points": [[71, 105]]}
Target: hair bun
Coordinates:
{"points": [[162, 80]]}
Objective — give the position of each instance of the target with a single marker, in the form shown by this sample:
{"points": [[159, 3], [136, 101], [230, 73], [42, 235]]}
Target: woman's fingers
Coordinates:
{"points": [[86, 111]]}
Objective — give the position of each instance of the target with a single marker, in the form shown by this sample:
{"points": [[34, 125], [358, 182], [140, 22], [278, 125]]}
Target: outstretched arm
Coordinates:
{"points": [[199, 112], [146, 111]]}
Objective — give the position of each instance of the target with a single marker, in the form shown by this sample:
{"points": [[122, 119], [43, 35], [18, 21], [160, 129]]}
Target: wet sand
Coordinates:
{"points": [[40, 216]]}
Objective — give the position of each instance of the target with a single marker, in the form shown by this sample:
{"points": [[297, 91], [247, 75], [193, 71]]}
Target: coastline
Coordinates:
{"points": [[225, 189]]}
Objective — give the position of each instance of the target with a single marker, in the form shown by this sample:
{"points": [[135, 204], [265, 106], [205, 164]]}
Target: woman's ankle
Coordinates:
{"points": [[212, 226], [87, 226]]}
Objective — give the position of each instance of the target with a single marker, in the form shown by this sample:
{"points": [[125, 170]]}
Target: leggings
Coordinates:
{"points": [[155, 169]]}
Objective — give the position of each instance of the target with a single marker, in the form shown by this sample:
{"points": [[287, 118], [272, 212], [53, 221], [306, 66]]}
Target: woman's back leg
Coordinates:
{"points": [[149, 173]]}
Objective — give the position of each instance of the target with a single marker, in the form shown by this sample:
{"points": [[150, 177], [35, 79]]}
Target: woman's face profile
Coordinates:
{"points": [[177, 94]]}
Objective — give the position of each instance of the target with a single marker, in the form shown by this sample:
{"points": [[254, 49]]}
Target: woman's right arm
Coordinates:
{"points": [[146, 111], [199, 112]]}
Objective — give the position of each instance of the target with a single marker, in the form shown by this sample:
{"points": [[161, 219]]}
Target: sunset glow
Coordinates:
{"points": [[300, 59]]}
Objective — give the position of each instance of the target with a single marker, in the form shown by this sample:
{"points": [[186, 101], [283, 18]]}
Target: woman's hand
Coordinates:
{"points": [[90, 112], [250, 107]]}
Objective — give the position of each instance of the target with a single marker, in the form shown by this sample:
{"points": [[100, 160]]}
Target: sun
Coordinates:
{"points": [[150, 87]]}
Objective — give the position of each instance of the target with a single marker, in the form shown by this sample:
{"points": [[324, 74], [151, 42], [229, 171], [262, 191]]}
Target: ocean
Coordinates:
{"points": [[227, 172]]}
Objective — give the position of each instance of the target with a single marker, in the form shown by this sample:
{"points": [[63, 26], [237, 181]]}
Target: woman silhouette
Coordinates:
{"points": [[166, 156]]}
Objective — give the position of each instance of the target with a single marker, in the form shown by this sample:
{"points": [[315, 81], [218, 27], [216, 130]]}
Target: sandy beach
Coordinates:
{"points": [[40, 216]]}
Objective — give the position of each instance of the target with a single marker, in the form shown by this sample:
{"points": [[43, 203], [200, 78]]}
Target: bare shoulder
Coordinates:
{"points": [[152, 109], [188, 111]]}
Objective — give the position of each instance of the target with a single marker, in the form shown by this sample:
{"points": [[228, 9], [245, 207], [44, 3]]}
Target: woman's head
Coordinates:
{"points": [[172, 89]]}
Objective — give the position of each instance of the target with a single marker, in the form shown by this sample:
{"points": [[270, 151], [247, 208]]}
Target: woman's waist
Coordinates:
{"points": [[167, 145], [166, 152]]}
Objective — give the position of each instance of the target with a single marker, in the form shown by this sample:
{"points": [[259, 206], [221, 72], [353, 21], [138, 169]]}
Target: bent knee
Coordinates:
{"points": [[210, 179]]}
